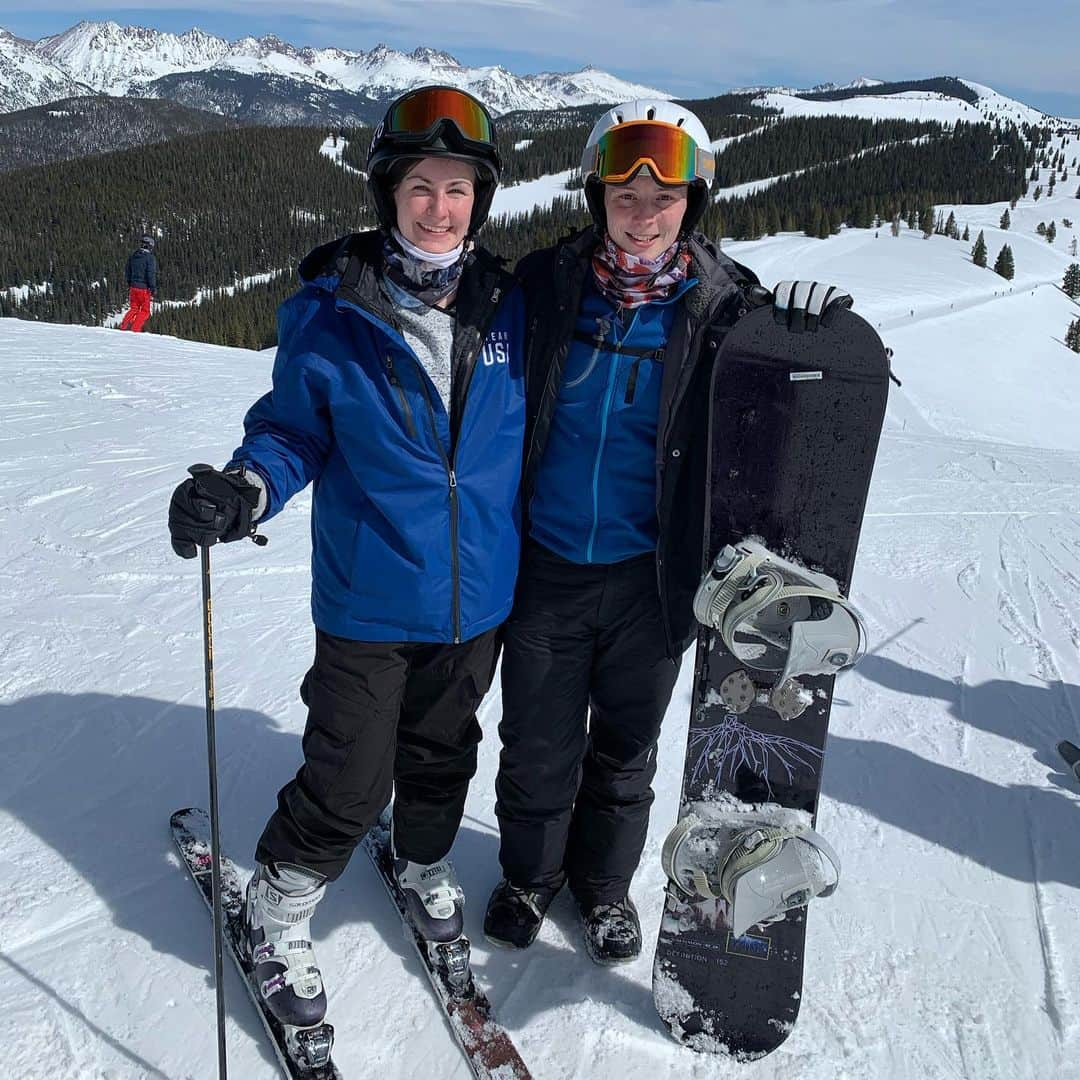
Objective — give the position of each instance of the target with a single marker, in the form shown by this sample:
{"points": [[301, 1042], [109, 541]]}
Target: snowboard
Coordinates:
{"points": [[488, 1049], [793, 431], [191, 834]]}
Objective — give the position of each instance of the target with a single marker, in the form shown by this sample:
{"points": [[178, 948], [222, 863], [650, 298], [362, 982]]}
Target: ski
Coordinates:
{"points": [[487, 1047], [1070, 753], [191, 834], [793, 428]]}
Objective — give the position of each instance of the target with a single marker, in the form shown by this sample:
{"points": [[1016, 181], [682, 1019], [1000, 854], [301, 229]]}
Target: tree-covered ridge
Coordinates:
{"points": [[973, 163], [223, 206], [800, 142], [77, 127], [944, 84]]}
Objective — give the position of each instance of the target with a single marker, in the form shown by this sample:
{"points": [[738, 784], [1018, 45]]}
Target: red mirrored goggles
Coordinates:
{"points": [[418, 114], [668, 151]]}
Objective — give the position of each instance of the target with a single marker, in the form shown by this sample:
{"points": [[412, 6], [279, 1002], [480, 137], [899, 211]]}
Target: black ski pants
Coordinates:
{"points": [[586, 680], [383, 718]]}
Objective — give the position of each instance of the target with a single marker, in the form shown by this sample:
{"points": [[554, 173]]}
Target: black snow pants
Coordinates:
{"points": [[586, 680], [382, 718]]}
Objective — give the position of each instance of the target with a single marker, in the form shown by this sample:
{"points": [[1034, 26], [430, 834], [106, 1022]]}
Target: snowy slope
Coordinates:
{"points": [[950, 950]]}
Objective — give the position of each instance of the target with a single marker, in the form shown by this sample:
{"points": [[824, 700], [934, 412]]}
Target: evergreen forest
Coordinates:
{"points": [[225, 206]]}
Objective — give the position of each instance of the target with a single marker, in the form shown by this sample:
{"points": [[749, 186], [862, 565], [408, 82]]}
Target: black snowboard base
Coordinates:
{"points": [[794, 426]]}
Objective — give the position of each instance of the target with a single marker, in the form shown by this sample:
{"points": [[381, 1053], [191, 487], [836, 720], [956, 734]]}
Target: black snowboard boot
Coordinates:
{"points": [[514, 916], [612, 932]]}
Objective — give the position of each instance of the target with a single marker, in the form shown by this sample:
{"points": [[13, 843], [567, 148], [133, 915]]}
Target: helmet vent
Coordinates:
{"points": [[651, 115], [618, 117], [679, 122]]}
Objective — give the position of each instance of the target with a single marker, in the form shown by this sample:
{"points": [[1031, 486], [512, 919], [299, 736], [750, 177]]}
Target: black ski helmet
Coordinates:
{"points": [[434, 121], [147, 242]]}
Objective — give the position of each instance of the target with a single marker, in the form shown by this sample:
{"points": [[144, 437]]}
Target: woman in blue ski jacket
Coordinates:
{"points": [[625, 319], [398, 392]]}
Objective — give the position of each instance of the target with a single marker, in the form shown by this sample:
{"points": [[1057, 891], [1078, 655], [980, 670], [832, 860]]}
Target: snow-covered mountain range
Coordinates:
{"points": [[28, 78], [140, 61]]}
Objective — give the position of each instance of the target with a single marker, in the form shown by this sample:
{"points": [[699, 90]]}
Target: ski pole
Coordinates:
{"points": [[215, 846]]}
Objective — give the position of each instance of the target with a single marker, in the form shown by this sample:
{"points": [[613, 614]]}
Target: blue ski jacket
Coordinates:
{"points": [[595, 494], [416, 513]]}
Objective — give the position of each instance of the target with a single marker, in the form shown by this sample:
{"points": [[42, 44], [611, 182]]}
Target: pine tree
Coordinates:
{"points": [[978, 252], [1004, 264], [1037, 193], [1006, 221], [895, 227], [1072, 247], [1071, 283], [967, 234], [926, 221], [1041, 228], [950, 227], [1051, 232], [1072, 336]]}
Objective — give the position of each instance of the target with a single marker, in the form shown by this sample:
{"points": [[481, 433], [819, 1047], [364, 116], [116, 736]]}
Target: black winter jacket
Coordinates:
{"points": [[553, 280], [141, 270]]}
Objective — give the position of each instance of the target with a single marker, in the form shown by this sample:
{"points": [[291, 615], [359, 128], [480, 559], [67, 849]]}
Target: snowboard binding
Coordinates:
{"points": [[762, 864], [781, 621]]}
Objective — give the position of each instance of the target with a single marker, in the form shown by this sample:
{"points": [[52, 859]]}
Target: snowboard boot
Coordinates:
{"points": [[514, 916], [281, 898], [612, 932]]}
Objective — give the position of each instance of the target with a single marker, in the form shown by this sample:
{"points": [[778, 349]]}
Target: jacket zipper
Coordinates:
{"points": [[406, 409], [451, 479]]}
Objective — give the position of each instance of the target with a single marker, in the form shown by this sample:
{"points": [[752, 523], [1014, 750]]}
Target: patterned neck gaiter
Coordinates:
{"points": [[630, 281], [426, 282]]}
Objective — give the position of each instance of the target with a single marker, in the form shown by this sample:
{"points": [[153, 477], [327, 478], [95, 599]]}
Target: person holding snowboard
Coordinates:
{"points": [[625, 319], [140, 273], [398, 392]]}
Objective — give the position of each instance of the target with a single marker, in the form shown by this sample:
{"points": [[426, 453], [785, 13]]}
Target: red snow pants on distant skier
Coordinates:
{"points": [[138, 309]]}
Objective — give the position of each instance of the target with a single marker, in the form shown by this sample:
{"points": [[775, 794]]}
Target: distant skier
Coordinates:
{"points": [[628, 316], [398, 391], [140, 273]]}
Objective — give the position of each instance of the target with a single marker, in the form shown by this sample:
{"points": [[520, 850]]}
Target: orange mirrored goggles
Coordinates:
{"points": [[422, 111], [668, 151]]}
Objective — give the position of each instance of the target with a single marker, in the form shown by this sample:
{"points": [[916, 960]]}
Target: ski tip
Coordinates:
{"points": [[183, 817], [1069, 751]]}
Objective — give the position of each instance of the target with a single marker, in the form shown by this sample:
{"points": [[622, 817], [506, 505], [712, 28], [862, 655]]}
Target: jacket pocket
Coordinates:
{"points": [[402, 397]]}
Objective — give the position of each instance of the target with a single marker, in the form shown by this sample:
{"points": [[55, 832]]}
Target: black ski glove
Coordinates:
{"points": [[209, 507], [804, 305]]}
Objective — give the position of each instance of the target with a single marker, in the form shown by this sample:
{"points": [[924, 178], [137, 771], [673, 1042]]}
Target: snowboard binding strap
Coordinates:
{"points": [[776, 618], [762, 867]]}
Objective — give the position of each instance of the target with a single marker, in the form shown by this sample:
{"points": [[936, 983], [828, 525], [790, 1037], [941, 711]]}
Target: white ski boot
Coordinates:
{"points": [[435, 904], [780, 621], [281, 899], [763, 861]]}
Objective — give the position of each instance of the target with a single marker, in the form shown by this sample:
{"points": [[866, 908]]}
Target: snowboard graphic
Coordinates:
{"points": [[794, 427]]}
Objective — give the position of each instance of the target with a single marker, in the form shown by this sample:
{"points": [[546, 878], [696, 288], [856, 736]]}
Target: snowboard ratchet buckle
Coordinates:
{"points": [[778, 619]]}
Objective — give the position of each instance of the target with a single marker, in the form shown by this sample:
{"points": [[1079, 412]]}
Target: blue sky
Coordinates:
{"points": [[688, 47]]}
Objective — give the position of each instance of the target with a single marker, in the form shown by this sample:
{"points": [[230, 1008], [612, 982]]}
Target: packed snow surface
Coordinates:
{"points": [[951, 948]]}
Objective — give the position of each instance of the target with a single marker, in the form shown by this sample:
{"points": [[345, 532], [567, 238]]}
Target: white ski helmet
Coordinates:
{"points": [[695, 159]]}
